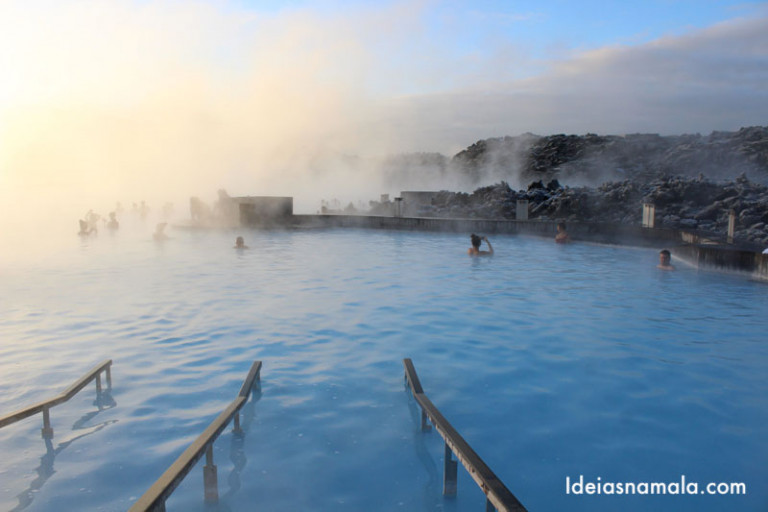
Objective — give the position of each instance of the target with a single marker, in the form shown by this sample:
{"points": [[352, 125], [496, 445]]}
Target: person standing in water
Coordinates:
{"points": [[240, 243], [664, 260], [475, 249], [562, 236]]}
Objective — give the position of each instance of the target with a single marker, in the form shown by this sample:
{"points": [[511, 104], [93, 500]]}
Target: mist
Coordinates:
{"points": [[159, 101]]}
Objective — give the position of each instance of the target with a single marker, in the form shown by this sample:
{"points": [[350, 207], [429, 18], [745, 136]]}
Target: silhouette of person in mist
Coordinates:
{"points": [[113, 224], [240, 243], [85, 229]]}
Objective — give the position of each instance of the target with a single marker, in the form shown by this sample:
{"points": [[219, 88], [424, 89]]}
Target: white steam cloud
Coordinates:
{"points": [[127, 101]]}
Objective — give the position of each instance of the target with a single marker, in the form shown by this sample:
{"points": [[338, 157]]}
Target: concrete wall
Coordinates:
{"points": [[595, 232], [265, 210], [413, 199], [426, 224], [727, 258]]}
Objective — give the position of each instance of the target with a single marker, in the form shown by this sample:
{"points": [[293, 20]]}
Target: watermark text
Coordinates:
{"points": [[580, 486]]}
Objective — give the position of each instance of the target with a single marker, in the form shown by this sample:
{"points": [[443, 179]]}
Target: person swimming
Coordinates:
{"points": [[240, 243], [562, 236], [664, 260], [475, 249]]}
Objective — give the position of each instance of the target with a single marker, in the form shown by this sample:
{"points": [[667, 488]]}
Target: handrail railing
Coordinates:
{"points": [[497, 494], [44, 406], [154, 499]]}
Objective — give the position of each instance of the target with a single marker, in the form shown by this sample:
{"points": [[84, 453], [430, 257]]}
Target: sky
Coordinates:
{"points": [[142, 99]]}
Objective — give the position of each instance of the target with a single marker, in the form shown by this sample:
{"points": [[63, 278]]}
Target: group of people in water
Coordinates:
{"points": [[89, 226], [561, 237]]}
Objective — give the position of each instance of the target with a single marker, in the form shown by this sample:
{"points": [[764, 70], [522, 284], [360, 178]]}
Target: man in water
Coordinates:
{"points": [[240, 243], [475, 249], [664, 260], [562, 235]]}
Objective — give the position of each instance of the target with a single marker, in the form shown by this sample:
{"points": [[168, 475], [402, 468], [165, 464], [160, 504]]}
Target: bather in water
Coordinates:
{"points": [[475, 249]]}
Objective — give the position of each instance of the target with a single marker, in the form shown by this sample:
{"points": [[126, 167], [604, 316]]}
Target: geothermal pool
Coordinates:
{"points": [[552, 362]]}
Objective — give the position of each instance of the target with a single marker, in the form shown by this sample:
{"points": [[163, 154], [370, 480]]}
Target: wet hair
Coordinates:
{"points": [[476, 240], [561, 225], [666, 253]]}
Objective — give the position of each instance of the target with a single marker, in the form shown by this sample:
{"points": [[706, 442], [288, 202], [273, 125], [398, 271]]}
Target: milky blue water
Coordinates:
{"points": [[552, 361]]}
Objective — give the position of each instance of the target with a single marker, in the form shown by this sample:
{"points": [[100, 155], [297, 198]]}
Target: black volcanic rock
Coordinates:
{"points": [[595, 159], [693, 180]]}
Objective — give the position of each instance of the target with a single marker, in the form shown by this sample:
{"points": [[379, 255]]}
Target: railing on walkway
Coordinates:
{"points": [[154, 499], [497, 494], [65, 395]]}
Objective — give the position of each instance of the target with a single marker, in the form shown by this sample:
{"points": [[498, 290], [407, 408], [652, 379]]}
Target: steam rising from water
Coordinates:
{"points": [[158, 101], [105, 102]]}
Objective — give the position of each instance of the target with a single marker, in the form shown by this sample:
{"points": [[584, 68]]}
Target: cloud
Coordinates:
{"points": [[712, 79], [119, 99]]}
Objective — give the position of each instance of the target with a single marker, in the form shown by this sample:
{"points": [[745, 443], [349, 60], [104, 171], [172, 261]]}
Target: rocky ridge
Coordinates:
{"points": [[593, 159], [693, 180]]}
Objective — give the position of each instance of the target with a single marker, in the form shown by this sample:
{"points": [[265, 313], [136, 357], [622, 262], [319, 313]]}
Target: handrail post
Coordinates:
{"points": [[449, 473], [158, 507], [98, 385], [47, 431], [210, 479], [425, 426], [498, 497], [237, 429], [109, 377], [187, 461]]}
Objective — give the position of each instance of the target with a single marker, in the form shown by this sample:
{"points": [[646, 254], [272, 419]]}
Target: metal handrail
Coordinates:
{"points": [[44, 406], [154, 499], [496, 492]]}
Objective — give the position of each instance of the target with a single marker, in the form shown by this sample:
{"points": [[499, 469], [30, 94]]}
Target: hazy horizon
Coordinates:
{"points": [[161, 100]]}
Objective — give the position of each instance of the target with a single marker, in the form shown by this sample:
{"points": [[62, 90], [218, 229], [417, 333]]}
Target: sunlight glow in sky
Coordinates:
{"points": [[146, 96]]}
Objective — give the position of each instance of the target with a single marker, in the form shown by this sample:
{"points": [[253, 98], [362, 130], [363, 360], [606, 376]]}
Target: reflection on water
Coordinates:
{"points": [[433, 486], [573, 343], [236, 448], [45, 470]]}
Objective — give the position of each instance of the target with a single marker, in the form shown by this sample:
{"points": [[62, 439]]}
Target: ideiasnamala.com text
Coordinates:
{"points": [[678, 487]]}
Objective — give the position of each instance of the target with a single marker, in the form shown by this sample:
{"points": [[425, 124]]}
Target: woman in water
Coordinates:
{"points": [[475, 249]]}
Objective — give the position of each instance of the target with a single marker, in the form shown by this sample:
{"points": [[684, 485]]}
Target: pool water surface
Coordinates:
{"points": [[552, 361]]}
